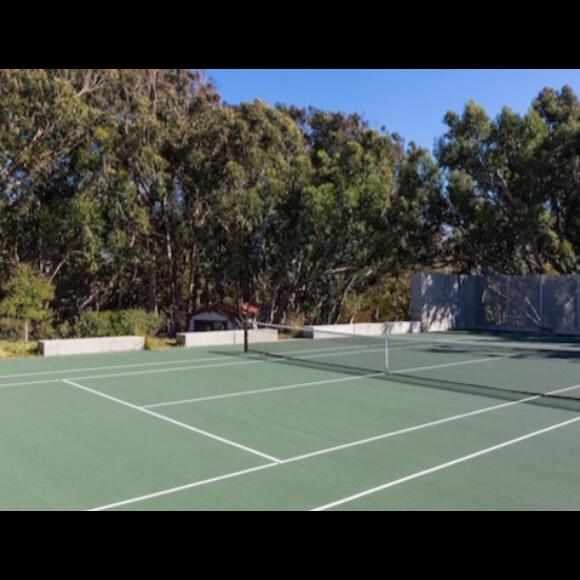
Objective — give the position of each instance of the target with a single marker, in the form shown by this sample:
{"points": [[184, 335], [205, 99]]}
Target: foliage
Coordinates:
{"points": [[27, 293], [15, 349], [110, 323], [139, 190], [138, 323], [10, 329], [388, 299], [513, 195]]}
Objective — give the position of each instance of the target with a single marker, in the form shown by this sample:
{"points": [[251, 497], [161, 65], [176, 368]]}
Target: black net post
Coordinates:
{"points": [[246, 336]]}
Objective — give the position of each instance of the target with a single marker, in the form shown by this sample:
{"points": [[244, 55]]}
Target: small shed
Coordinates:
{"points": [[211, 321]]}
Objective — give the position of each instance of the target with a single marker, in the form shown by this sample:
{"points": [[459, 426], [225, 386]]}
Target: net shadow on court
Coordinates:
{"points": [[217, 429]]}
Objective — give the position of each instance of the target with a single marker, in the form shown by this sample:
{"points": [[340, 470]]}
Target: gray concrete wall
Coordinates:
{"points": [[417, 298], [225, 338], [50, 348], [470, 304], [441, 303], [236, 337], [373, 329]]}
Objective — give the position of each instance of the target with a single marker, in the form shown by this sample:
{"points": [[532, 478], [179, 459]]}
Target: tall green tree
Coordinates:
{"points": [[139, 188], [258, 208], [513, 187], [43, 122], [499, 217], [555, 169], [26, 295]]}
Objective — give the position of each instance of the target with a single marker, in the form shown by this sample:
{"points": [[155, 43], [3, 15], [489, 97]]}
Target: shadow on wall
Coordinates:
{"points": [[439, 319], [438, 302], [547, 303]]}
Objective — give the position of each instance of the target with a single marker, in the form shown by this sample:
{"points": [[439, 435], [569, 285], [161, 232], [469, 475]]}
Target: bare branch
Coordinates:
{"points": [[93, 81]]}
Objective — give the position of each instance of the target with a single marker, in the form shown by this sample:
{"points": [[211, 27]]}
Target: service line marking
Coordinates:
{"points": [[174, 422]]}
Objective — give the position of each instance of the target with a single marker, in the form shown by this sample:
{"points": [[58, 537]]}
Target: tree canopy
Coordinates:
{"points": [[140, 188], [513, 187], [27, 293]]}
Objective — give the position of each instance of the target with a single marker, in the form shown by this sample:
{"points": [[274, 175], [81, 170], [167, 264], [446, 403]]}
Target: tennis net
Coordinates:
{"points": [[352, 351], [546, 370]]}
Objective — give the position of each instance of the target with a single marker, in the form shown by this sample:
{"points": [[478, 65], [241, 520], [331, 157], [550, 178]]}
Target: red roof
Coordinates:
{"points": [[232, 312]]}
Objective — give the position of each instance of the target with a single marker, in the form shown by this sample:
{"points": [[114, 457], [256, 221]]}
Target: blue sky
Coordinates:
{"points": [[411, 102]]}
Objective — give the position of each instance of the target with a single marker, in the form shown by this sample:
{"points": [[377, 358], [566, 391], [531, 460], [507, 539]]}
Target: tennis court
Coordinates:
{"points": [[220, 429]]}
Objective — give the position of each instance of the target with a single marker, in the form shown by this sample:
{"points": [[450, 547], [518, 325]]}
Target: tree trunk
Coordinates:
{"points": [[152, 290], [26, 331], [173, 266]]}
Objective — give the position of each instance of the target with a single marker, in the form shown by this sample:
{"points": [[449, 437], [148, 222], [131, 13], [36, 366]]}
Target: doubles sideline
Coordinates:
{"points": [[444, 466], [169, 369], [364, 494]]}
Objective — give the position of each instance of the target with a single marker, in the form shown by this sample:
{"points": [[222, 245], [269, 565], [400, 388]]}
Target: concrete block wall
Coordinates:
{"points": [[236, 337], [225, 338], [50, 348], [441, 303], [373, 329]]}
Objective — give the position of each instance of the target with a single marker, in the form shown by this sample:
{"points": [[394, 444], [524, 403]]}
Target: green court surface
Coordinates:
{"points": [[214, 429]]}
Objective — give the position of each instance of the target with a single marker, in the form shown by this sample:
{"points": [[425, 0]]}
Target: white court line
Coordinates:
{"points": [[560, 391], [68, 372], [185, 368], [409, 430], [157, 371], [111, 368], [330, 450], [261, 391], [166, 371], [336, 351], [31, 384], [134, 373], [385, 436], [444, 366], [445, 466], [183, 488], [152, 372], [174, 422]]}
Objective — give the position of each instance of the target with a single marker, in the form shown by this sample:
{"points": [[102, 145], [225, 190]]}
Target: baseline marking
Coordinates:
{"points": [[183, 488], [31, 384], [148, 372], [132, 374], [444, 466], [328, 451], [138, 366], [111, 368], [164, 371], [176, 423]]}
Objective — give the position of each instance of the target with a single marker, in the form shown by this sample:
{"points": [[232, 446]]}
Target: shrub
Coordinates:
{"points": [[44, 331], [108, 323], [10, 329], [94, 325], [17, 350], [26, 295], [139, 322]]}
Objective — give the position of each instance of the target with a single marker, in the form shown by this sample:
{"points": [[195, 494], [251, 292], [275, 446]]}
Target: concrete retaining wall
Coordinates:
{"points": [[438, 302], [236, 337], [50, 348], [441, 303], [373, 329], [225, 338]]}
